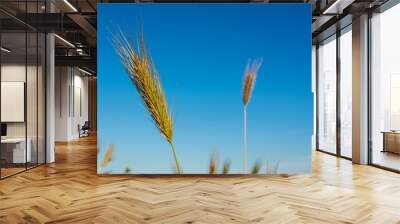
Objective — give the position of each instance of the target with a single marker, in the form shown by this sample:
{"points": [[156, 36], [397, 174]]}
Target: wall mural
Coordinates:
{"points": [[204, 88]]}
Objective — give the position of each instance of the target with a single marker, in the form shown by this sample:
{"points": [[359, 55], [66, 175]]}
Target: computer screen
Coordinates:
{"points": [[3, 129]]}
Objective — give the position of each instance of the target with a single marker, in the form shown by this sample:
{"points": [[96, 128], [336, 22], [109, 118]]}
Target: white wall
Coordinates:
{"points": [[80, 89], [16, 73], [71, 87], [13, 101], [62, 82]]}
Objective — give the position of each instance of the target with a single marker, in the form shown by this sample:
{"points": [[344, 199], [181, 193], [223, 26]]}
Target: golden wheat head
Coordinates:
{"points": [[143, 74], [108, 155], [250, 75]]}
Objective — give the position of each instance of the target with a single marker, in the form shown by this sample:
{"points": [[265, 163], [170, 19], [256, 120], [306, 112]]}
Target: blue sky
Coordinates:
{"points": [[200, 51]]}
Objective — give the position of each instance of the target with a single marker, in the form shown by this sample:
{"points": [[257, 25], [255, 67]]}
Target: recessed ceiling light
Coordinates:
{"points": [[70, 5], [64, 40], [84, 71], [5, 50], [337, 7]]}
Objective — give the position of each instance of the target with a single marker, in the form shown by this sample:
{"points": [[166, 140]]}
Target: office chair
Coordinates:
{"points": [[84, 130]]}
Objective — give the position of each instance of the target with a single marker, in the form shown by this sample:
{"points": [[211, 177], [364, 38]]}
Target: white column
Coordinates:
{"points": [[314, 92], [50, 92], [360, 90], [50, 99]]}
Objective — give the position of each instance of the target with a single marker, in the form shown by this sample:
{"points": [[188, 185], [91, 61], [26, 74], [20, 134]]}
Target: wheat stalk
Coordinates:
{"points": [[270, 169], [143, 74], [212, 167], [226, 167], [250, 75], [256, 167]]}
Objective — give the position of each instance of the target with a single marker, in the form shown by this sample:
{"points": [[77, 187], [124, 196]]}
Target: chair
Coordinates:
{"points": [[84, 130]]}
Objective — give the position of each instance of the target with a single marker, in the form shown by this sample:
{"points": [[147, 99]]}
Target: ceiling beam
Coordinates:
{"points": [[78, 61], [83, 23]]}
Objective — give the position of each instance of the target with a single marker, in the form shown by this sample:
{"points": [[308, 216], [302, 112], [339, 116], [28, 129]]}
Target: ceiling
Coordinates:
{"points": [[75, 22]]}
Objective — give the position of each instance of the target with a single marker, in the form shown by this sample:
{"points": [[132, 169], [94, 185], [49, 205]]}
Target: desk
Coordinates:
{"points": [[17, 152], [391, 141]]}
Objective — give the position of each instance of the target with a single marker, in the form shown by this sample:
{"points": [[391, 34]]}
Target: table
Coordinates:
{"points": [[17, 153], [391, 141]]}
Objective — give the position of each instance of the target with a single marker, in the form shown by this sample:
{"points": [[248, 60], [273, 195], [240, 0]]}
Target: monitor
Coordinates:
{"points": [[3, 129]]}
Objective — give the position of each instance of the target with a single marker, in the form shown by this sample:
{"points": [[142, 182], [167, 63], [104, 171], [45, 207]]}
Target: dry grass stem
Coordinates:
{"points": [[226, 167], [212, 168], [250, 75], [256, 167], [108, 156], [272, 169]]}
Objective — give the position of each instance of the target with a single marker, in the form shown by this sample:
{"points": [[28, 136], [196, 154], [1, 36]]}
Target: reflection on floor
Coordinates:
{"points": [[10, 169], [386, 159], [70, 191]]}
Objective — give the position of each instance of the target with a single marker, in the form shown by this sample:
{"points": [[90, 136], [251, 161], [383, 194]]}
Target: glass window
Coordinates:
{"points": [[14, 153], [346, 93], [327, 95], [22, 91], [385, 88]]}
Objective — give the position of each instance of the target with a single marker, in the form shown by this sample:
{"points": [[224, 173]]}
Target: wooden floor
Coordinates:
{"points": [[69, 191], [5, 172], [387, 159]]}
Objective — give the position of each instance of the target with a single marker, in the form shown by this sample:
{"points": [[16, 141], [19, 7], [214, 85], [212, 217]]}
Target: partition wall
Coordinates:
{"points": [[22, 77]]}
